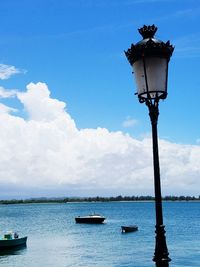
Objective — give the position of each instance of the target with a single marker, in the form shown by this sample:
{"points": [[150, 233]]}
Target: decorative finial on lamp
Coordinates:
{"points": [[148, 31]]}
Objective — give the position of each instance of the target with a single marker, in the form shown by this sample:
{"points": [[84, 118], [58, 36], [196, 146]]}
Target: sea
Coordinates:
{"points": [[55, 240]]}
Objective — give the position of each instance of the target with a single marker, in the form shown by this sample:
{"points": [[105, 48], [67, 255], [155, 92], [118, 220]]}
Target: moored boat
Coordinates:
{"points": [[11, 241], [129, 228], [93, 218]]}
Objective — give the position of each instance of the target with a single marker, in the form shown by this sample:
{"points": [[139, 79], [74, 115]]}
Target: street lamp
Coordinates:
{"points": [[149, 59]]}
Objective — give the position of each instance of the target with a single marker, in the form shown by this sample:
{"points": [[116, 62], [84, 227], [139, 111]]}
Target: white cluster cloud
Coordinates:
{"points": [[48, 153]]}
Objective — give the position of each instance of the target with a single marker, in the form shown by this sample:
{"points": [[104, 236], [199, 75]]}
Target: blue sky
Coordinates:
{"points": [[76, 49]]}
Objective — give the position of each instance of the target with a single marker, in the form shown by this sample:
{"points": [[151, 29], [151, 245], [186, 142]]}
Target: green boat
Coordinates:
{"points": [[12, 241]]}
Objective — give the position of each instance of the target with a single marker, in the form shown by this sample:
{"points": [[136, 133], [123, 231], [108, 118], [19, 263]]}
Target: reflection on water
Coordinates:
{"points": [[13, 251]]}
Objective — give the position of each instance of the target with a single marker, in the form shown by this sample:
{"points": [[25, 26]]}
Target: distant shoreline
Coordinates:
{"points": [[99, 199]]}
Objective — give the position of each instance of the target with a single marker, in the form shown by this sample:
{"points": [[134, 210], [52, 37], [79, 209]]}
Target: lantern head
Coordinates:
{"points": [[149, 59]]}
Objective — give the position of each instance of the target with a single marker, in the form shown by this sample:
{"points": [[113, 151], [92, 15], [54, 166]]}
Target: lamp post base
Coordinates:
{"points": [[161, 252]]}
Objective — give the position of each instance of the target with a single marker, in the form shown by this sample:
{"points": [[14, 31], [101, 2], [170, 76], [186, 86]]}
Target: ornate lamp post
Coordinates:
{"points": [[149, 59]]}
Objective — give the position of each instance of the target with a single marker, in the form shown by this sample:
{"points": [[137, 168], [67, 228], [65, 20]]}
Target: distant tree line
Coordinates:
{"points": [[97, 199]]}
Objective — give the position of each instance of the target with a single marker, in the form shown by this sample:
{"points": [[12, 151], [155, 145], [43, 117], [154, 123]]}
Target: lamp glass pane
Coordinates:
{"points": [[156, 76], [138, 70]]}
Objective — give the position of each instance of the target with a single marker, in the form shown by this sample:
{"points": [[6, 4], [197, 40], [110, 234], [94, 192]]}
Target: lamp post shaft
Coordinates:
{"points": [[161, 252]]}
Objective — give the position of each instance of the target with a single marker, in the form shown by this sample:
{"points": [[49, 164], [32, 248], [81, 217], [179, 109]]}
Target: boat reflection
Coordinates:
{"points": [[13, 251]]}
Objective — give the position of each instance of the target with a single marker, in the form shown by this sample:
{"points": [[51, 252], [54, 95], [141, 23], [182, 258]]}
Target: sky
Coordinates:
{"points": [[70, 122]]}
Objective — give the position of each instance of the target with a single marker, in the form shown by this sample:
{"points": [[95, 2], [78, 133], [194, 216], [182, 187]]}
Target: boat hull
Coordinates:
{"points": [[90, 220], [129, 229], [4, 244]]}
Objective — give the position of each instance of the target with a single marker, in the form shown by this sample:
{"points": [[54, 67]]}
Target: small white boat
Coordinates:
{"points": [[94, 219], [11, 240]]}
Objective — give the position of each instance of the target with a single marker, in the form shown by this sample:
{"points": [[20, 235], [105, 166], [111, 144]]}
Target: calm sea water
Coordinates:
{"points": [[55, 240]]}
